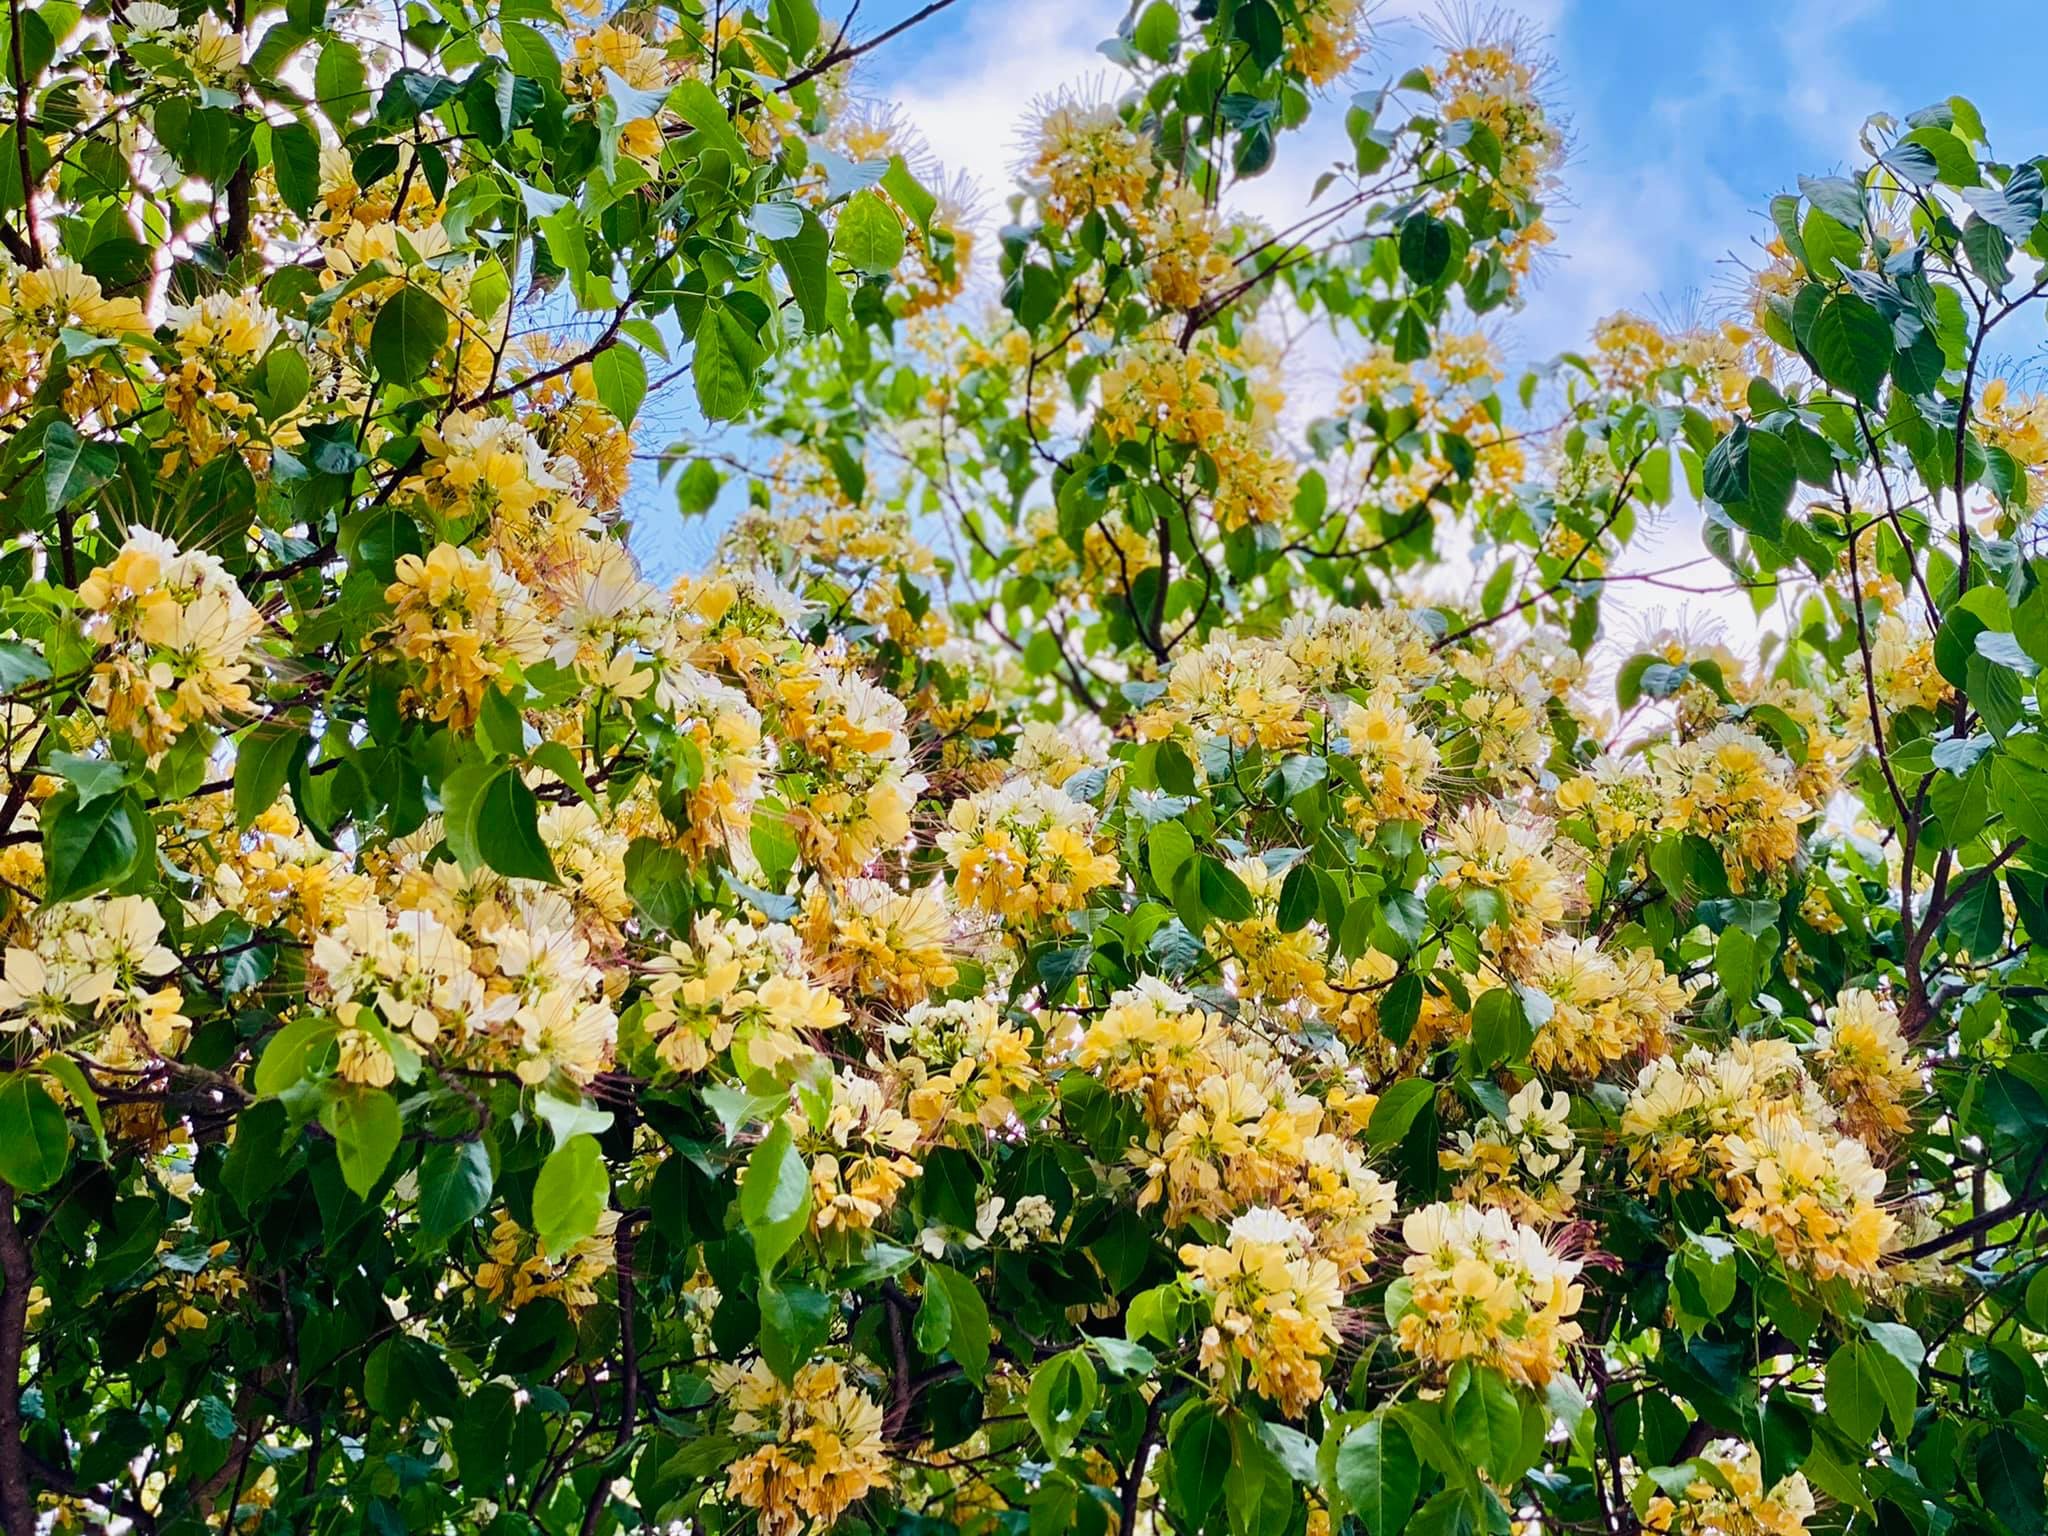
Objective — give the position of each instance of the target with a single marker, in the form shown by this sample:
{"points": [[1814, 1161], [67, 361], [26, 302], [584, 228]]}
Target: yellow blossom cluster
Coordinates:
{"points": [[1527, 1162], [1493, 82], [1395, 759], [1260, 960], [1241, 692], [175, 634], [278, 873], [1229, 1125], [1732, 1499], [1506, 858], [1478, 1285], [1153, 388], [1739, 794], [1272, 1310], [462, 619], [1084, 158], [1866, 1066], [860, 1158], [2019, 425], [881, 942], [735, 982], [37, 305], [1184, 244], [1328, 38], [969, 1064], [1616, 796], [515, 1273], [525, 997], [218, 340], [818, 1443], [1750, 1121], [1024, 851], [1606, 1006], [849, 736], [1369, 649], [93, 980]]}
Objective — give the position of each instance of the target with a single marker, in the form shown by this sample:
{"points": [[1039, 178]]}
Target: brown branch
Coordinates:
{"points": [[833, 57], [34, 239], [17, 1505]]}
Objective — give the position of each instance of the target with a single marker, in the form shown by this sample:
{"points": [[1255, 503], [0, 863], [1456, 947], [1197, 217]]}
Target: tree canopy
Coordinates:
{"points": [[1155, 945]]}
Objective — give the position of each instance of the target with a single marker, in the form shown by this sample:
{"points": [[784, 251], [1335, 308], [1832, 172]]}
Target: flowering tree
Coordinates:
{"points": [[1079, 977]]}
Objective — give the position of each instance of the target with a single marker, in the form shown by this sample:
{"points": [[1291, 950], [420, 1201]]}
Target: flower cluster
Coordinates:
{"points": [[1024, 851], [462, 620], [1732, 1500], [176, 635], [1751, 1122], [1477, 1285], [818, 1443], [1527, 1162], [1273, 1312]]}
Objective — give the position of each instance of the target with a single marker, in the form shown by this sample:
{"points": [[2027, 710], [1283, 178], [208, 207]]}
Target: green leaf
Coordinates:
{"points": [[802, 257], [89, 848], [698, 105], [292, 1052], [1298, 898], [1063, 1393], [455, 1186], [529, 52], [1198, 1455], [1854, 1401], [408, 335], [722, 364], [869, 235], [366, 1125], [775, 1196], [1486, 1422], [72, 1076], [1851, 345], [91, 777], [1378, 1475], [697, 487], [570, 1194], [264, 758], [1835, 196], [1224, 895], [1167, 847], [73, 465], [491, 817], [295, 160], [1397, 1109], [909, 194], [968, 1334], [35, 1139], [1157, 33], [620, 374], [1425, 248], [2009, 1480]]}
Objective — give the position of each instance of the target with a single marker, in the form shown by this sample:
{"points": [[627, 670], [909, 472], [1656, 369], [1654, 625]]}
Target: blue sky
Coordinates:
{"points": [[1686, 117]]}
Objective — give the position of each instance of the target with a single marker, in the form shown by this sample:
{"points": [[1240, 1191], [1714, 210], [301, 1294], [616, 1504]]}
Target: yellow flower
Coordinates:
{"points": [[175, 634], [1272, 1310], [1733, 1501], [1024, 851], [463, 620], [1480, 1286], [819, 1443], [1484, 851], [1529, 1164], [1867, 1066], [1738, 794], [1085, 158]]}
